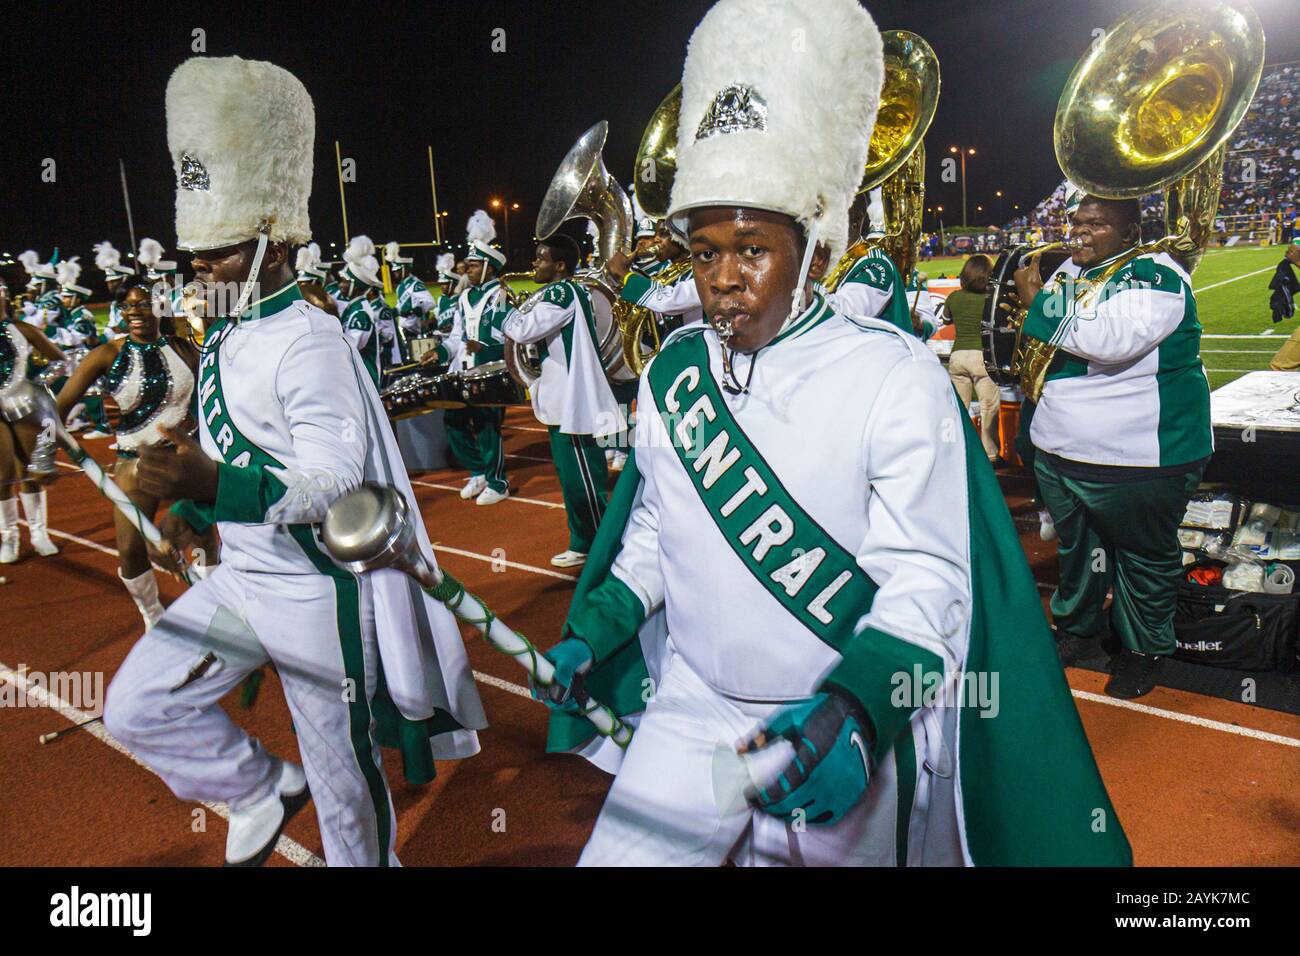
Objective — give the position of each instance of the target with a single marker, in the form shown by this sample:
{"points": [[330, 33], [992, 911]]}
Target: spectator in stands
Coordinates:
{"points": [[964, 307]]}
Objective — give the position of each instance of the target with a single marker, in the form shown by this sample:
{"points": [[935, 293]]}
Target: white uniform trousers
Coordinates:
{"points": [[677, 798], [319, 632]]}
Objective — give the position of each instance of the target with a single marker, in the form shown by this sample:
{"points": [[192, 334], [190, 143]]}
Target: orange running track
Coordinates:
{"points": [[1196, 780]]}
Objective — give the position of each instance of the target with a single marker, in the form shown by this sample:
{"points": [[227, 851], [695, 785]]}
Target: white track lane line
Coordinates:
{"points": [[1081, 694], [509, 564], [526, 501], [290, 849], [1188, 719], [1244, 275]]}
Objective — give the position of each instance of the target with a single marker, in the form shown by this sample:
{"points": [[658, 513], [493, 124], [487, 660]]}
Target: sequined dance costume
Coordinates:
{"points": [[153, 387]]}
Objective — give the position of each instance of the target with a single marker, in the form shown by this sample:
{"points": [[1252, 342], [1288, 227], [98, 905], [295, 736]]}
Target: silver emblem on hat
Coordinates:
{"points": [[194, 176], [735, 108]]}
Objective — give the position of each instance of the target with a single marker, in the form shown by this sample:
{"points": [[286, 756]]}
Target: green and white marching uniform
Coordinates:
{"points": [[414, 302], [47, 311], [765, 546], [572, 398], [681, 298], [874, 289], [79, 329], [1127, 387], [287, 448], [359, 320], [446, 312], [475, 433], [1122, 434]]}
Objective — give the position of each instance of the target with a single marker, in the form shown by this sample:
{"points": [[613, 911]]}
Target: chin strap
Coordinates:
{"points": [[263, 234], [797, 303]]}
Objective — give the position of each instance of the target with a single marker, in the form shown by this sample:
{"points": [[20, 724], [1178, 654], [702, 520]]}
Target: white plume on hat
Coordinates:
{"points": [[69, 270], [358, 248], [480, 227], [241, 134], [304, 260], [393, 253], [366, 270], [307, 262], [778, 102], [151, 251], [106, 256], [446, 263], [594, 232], [30, 259]]}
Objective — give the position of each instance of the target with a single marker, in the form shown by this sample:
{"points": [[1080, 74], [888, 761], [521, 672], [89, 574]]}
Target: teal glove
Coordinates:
{"points": [[832, 740], [572, 658]]}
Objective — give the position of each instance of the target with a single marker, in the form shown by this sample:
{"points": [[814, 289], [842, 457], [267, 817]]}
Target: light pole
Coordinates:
{"points": [[962, 152], [505, 207]]}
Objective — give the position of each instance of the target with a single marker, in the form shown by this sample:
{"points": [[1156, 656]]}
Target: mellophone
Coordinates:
{"points": [[415, 389]]}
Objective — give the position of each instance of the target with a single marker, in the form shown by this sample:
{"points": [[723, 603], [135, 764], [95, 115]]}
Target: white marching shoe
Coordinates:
{"points": [[569, 559], [9, 531], [1046, 526], [254, 829], [144, 592], [474, 487], [491, 497], [618, 462], [34, 507]]}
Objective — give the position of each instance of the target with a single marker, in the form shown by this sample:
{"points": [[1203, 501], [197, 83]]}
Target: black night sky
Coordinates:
{"points": [[83, 85]]}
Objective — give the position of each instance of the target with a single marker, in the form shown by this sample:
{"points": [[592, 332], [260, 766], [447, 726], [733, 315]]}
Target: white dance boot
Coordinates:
{"points": [[144, 592], [9, 531], [34, 507]]}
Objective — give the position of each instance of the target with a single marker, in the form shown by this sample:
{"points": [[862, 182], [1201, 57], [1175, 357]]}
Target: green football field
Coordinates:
{"points": [[1231, 295]]}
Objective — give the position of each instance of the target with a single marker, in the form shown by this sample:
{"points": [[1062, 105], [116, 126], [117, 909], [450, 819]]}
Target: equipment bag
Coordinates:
{"points": [[1244, 630]]}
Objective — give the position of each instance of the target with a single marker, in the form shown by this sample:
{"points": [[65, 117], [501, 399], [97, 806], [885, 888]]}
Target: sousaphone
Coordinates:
{"points": [[583, 188], [1150, 107], [896, 154]]}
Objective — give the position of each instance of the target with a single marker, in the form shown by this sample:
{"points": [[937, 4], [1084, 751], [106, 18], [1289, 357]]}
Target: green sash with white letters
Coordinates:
{"points": [[807, 571]]}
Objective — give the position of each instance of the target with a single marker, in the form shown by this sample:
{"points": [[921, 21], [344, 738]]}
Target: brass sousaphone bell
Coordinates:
{"points": [[1150, 107], [583, 188], [896, 154]]}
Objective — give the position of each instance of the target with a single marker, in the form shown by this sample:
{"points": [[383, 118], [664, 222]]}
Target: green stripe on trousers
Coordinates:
{"points": [[347, 597], [584, 483]]}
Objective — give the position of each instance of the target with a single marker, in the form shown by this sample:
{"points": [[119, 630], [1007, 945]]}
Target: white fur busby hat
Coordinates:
{"points": [[779, 98], [480, 231], [393, 255], [241, 134], [69, 272]]}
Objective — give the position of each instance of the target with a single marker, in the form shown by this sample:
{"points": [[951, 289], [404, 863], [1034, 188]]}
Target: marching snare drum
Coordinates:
{"points": [[1000, 330], [491, 384]]}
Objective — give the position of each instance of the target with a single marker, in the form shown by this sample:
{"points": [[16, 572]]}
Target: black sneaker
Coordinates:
{"points": [[1071, 648], [1133, 674]]}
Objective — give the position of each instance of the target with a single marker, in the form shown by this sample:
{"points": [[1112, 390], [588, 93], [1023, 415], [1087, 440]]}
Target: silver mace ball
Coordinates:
{"points": [[372, 528]]}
